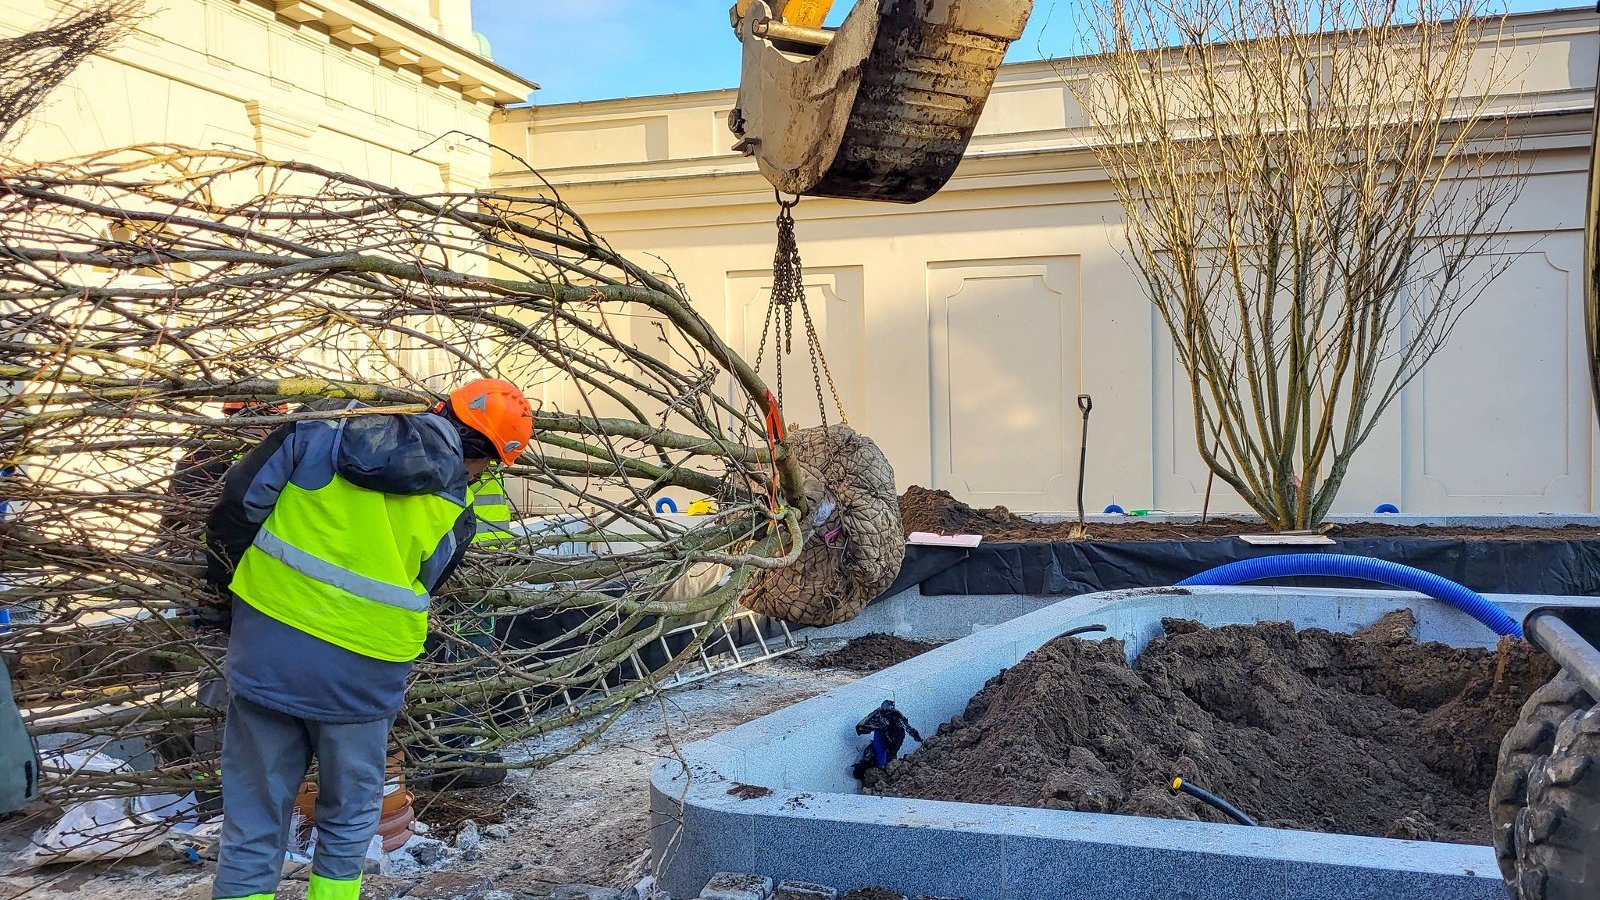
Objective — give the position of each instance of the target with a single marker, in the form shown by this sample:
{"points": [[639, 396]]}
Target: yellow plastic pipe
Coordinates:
{"points": [[805, 13]]}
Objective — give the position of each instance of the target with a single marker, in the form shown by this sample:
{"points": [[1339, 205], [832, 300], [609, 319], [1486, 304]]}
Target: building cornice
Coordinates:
{"points": [[358, 23], [733, 192], [1024, 162]]}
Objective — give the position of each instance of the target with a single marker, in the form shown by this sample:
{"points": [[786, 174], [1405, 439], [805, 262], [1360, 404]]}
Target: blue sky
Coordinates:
{"points": [[596, 50], [600, 49]]}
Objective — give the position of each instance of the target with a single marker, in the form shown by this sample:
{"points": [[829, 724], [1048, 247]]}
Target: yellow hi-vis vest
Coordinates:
{"points": [[487, 497], [342, 563]]}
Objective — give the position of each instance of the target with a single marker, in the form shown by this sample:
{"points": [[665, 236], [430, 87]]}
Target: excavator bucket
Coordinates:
{"points": [[880, 109]]}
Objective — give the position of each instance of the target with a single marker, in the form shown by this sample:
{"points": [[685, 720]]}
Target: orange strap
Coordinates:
{"points": [[774, 423], [774, 420]]}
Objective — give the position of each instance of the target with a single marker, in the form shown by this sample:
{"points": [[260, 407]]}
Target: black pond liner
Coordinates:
{"points": [[1067, 568]]}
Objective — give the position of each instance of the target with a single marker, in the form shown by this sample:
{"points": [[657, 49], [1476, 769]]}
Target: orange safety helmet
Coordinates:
{"points": [[497, 410]]}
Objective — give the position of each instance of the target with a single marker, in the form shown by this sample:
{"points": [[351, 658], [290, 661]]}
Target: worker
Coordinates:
{"points": [[198, 475], [888, 727], [454, 764], [491, 513], [490, 507], [331, 536]]}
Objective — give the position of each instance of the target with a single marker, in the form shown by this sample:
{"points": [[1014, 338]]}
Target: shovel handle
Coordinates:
{"points": [[1085, 403]]}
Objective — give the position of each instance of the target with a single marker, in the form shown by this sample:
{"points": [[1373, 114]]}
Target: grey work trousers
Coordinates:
{"points": [[265, 756]]}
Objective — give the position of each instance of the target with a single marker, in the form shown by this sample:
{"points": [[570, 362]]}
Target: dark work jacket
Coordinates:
{"points": [[280, 667]]}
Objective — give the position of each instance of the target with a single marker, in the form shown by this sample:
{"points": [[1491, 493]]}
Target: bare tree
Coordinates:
{"points": [[142, 288], [1310, 188], [34, 63]]}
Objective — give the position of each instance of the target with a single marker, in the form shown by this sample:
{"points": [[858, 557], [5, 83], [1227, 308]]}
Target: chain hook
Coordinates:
{"points": [[789, 292]]}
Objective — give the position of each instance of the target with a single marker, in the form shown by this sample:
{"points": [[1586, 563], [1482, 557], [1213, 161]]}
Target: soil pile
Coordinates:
{"points": [[922, 509], [872, 652], [446, 811], [1372, 734]]}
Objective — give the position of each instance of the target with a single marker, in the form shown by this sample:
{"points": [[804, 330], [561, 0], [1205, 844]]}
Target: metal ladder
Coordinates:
{"points": [[712, 662], [718, 655]]}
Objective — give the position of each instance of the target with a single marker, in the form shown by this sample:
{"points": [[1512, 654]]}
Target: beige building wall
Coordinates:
{"points": [[392, 91], [395, 92], [961, 329]]}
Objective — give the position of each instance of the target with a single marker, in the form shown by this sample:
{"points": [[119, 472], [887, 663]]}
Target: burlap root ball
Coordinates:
{"points": [[853, 541]]}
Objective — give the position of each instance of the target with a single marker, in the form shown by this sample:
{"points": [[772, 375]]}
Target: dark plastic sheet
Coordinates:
{"points": [[1570, 567]]}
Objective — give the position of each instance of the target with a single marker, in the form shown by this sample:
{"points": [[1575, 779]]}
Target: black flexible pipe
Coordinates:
{"points": [[1212, 800], [1083, 629]]}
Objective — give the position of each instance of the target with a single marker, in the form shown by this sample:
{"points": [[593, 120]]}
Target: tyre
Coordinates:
{"points": [[1558, 832], [1528, 742]]}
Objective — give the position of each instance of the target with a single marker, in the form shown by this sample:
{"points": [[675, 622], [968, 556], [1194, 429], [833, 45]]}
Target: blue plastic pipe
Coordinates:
{"points": [[1365, 568]]}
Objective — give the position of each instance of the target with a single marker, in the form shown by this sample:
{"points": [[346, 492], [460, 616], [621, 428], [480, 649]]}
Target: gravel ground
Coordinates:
{"points": [[584, 819]]}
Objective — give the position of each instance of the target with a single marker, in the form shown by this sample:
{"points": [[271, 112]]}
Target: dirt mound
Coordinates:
{"points": [[445, 811], [1372, 734], [923, 509], [872, 652]]}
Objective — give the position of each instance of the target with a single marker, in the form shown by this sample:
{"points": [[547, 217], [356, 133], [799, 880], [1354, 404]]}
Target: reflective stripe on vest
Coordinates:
{"points": [[343, 579], [489, 507], [342, 563]]}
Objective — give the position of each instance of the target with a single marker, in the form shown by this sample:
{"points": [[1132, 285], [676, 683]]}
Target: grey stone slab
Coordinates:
{"points": [[803, 890], [691, 842], [1048, 867], [913, 859], [1327, 881], [736, 886]]}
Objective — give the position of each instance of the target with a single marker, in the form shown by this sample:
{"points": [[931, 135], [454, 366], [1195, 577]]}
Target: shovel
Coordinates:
{"points": [[1085, 404]]}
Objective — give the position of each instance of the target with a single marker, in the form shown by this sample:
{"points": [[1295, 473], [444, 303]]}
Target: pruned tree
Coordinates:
{"points": [[1310, 189], [143, 288]]}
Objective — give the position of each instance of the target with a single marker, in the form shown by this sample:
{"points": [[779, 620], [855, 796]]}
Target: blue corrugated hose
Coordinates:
{"points": [[1334, 565]]}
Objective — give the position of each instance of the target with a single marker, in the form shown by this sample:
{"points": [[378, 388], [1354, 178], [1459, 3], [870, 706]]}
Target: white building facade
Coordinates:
{"points": [[961, 330], [399, 92]]}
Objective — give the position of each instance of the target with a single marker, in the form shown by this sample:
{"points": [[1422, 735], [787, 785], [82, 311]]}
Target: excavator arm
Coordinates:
{"points": [[881, 108], [799, 13]]}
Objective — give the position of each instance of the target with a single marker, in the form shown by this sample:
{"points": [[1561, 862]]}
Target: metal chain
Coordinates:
{"points": [[789, 290]]}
